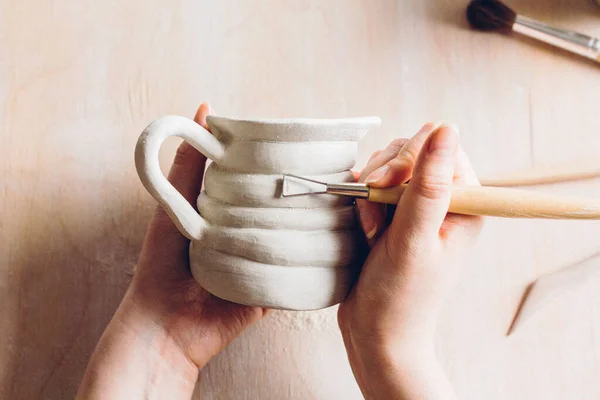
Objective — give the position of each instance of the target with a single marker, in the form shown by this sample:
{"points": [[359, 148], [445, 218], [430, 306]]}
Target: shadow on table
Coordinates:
{"points": [[70, 270]]}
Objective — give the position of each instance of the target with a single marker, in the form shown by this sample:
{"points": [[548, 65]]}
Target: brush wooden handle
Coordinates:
{"points": [[504, 202], [545, 174]]}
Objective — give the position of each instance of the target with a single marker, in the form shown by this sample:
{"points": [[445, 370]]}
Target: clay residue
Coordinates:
{"points": [[321, 320]]}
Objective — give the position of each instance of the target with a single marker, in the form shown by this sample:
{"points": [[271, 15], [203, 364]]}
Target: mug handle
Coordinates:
{"points": [[187, 219]]}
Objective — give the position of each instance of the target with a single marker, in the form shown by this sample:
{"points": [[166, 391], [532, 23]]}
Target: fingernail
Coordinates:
{"points": [[430, 126], [444, 141], [372, 232], [455, 129], [377, 174], [366, 220], [442, 123]]}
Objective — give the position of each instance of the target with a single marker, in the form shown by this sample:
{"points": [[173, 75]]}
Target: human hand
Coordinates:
{"points": [[163, 285], [388, 320], [167, 327]]}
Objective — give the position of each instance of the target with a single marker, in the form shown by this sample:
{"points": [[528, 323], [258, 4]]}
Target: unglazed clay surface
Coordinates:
{"points": [[74, 100], [249, 244]]}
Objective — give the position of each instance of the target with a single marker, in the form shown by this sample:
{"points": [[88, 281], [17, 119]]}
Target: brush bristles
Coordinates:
{"points": [[490, 15]]}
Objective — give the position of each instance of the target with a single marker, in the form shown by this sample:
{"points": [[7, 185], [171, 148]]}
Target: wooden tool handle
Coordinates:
{"points": [[540, 175], [504, 202]]}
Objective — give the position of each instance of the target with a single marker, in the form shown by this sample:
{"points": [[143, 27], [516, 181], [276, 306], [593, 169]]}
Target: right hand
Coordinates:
{"points": [[388, 320]]}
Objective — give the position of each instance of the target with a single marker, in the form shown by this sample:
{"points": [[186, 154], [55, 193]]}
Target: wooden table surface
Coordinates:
{"points": [[80, 80]]}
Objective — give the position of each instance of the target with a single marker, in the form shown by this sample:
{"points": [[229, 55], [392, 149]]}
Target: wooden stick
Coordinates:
{"points": [[504, 202], [545, 174]]}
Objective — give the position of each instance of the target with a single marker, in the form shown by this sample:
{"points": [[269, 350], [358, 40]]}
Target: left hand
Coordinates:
{"points": [[167, 327], [163, 286]]}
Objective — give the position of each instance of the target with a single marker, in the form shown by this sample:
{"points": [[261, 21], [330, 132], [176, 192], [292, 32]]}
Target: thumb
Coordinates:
{"points": [[425, 203]]}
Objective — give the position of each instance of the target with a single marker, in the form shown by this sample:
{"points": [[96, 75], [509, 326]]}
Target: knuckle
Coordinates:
{"points": [[408, 155], [399, 168], [432, 187], [451, 226], [461, 226], [398, 142], [395, 163], [374, 155], [396, 145]]}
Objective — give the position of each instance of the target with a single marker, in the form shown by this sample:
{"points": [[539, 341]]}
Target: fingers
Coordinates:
{"points": [[399, 168], [372, 215], [372, 219], [382, 157], [425, 203], [373, 156], [391, 166], [187, 170]]}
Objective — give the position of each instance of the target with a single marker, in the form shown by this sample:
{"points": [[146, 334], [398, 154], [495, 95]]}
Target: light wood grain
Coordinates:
{"points": [[545, 174], [79, 80], [503, 202]]}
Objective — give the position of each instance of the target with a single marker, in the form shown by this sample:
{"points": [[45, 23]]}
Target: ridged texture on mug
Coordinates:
{"points": [[274, 286], [258, 190], [249, 244], [302, 219], [316, 248], [259, 248], [289, 253]]}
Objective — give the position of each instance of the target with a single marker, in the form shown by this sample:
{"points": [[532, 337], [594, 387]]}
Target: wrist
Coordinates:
{"points": [[155, 331], [388, 342], [390, 354], [147, 330], [399, 372], [137, 358]]}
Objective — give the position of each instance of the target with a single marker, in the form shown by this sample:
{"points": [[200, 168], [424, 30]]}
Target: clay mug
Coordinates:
{"points": [[248, 244]]}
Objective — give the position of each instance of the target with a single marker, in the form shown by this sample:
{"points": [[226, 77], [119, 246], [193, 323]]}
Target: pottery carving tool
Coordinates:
{"points": [[493, 15], [467, 200]]}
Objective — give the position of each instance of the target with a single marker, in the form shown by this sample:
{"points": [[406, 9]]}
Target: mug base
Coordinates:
{"points": [[251, 283]]}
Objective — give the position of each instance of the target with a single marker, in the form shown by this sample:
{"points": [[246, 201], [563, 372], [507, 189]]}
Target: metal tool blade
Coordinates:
{"points": [[294, 185]]}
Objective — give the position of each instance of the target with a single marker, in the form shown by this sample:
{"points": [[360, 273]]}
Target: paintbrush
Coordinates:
{"points": [[467, 200], [493, 15]]}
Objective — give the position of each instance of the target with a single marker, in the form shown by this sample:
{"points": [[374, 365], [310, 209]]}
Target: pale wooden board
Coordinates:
{"points": [[80, 80]]}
